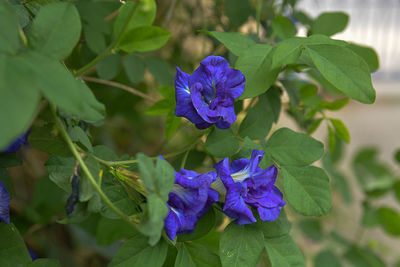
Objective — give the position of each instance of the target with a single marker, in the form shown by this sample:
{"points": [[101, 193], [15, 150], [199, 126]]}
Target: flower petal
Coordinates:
{"points": [[177, 223], [233, 87], [199, 104], [4, 204], [210, 74], [184, 105], [268, 200], [264, 177], [235, 207]]}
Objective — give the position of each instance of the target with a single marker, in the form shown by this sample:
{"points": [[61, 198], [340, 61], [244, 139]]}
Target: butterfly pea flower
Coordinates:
{"points": [[190, 198], [249, 186], [4, 204], [207, 96], [16, 144]]}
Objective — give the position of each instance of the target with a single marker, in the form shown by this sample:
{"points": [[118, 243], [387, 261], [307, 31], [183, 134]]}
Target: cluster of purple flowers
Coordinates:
{"points": [[243, 183], [205, 98]]}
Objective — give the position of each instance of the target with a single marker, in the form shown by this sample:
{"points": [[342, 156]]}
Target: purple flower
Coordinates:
{"points": [[190, 198], [248, 185], [4, 204], [206, 97], [16, 144]]}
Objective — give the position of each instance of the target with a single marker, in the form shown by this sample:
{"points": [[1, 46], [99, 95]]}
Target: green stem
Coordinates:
{"points": [[109, 49], [133, 161], [185, 159], [85, 169], [258, 16]]}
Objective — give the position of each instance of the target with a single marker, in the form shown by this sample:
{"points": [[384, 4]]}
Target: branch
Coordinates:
{"points": [[85, 169], [110, 48], [119, 85]]}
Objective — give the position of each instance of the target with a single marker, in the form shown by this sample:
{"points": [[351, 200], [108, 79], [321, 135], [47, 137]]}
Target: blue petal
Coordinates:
{"points": [[4, 204], [200, 105], [213, 196], [17, 143], [224, 172], [177, 223], [233, 87], [184, 105], [268, 200], [210, 74], [264, 177], [235, 207]]}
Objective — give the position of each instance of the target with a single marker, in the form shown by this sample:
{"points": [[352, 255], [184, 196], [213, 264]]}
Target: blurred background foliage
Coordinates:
{"points": [[366, 189]]}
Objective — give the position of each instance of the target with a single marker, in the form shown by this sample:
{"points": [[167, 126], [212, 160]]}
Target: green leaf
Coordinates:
{"points": [[86, 189], [244, 253], [236, 43], [110, 231], [341, 130], [396, 188], [44, 138], [330, 23], [19, 97], [172, 123], [326, 259], [196, 255], [237, 11], [95, 39], [39, 209], [289, 50], [137, 253], [78, 135], [109, 67], [12, 248], [93, 110], [159, 179], [314, 125], [166, 92], [282, 251], [44, 263], [161, 107], [23, 15], [160, 70], [144, 14], [293, 92], [246, 149], [347, 71], [311, 228], [60, 171], [331, 139], [370, 217], [152, 223], [291, 148], [368, 54], [144, 39], [259, 119], [134, 68], [283, 27], [9, 34], [390, 220], [359, 256], [307, 190], [56, 29], [222, 143], [203, 227], [277, 228], [255, 64], [335, 105], [49, 76], [119, 197]]}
